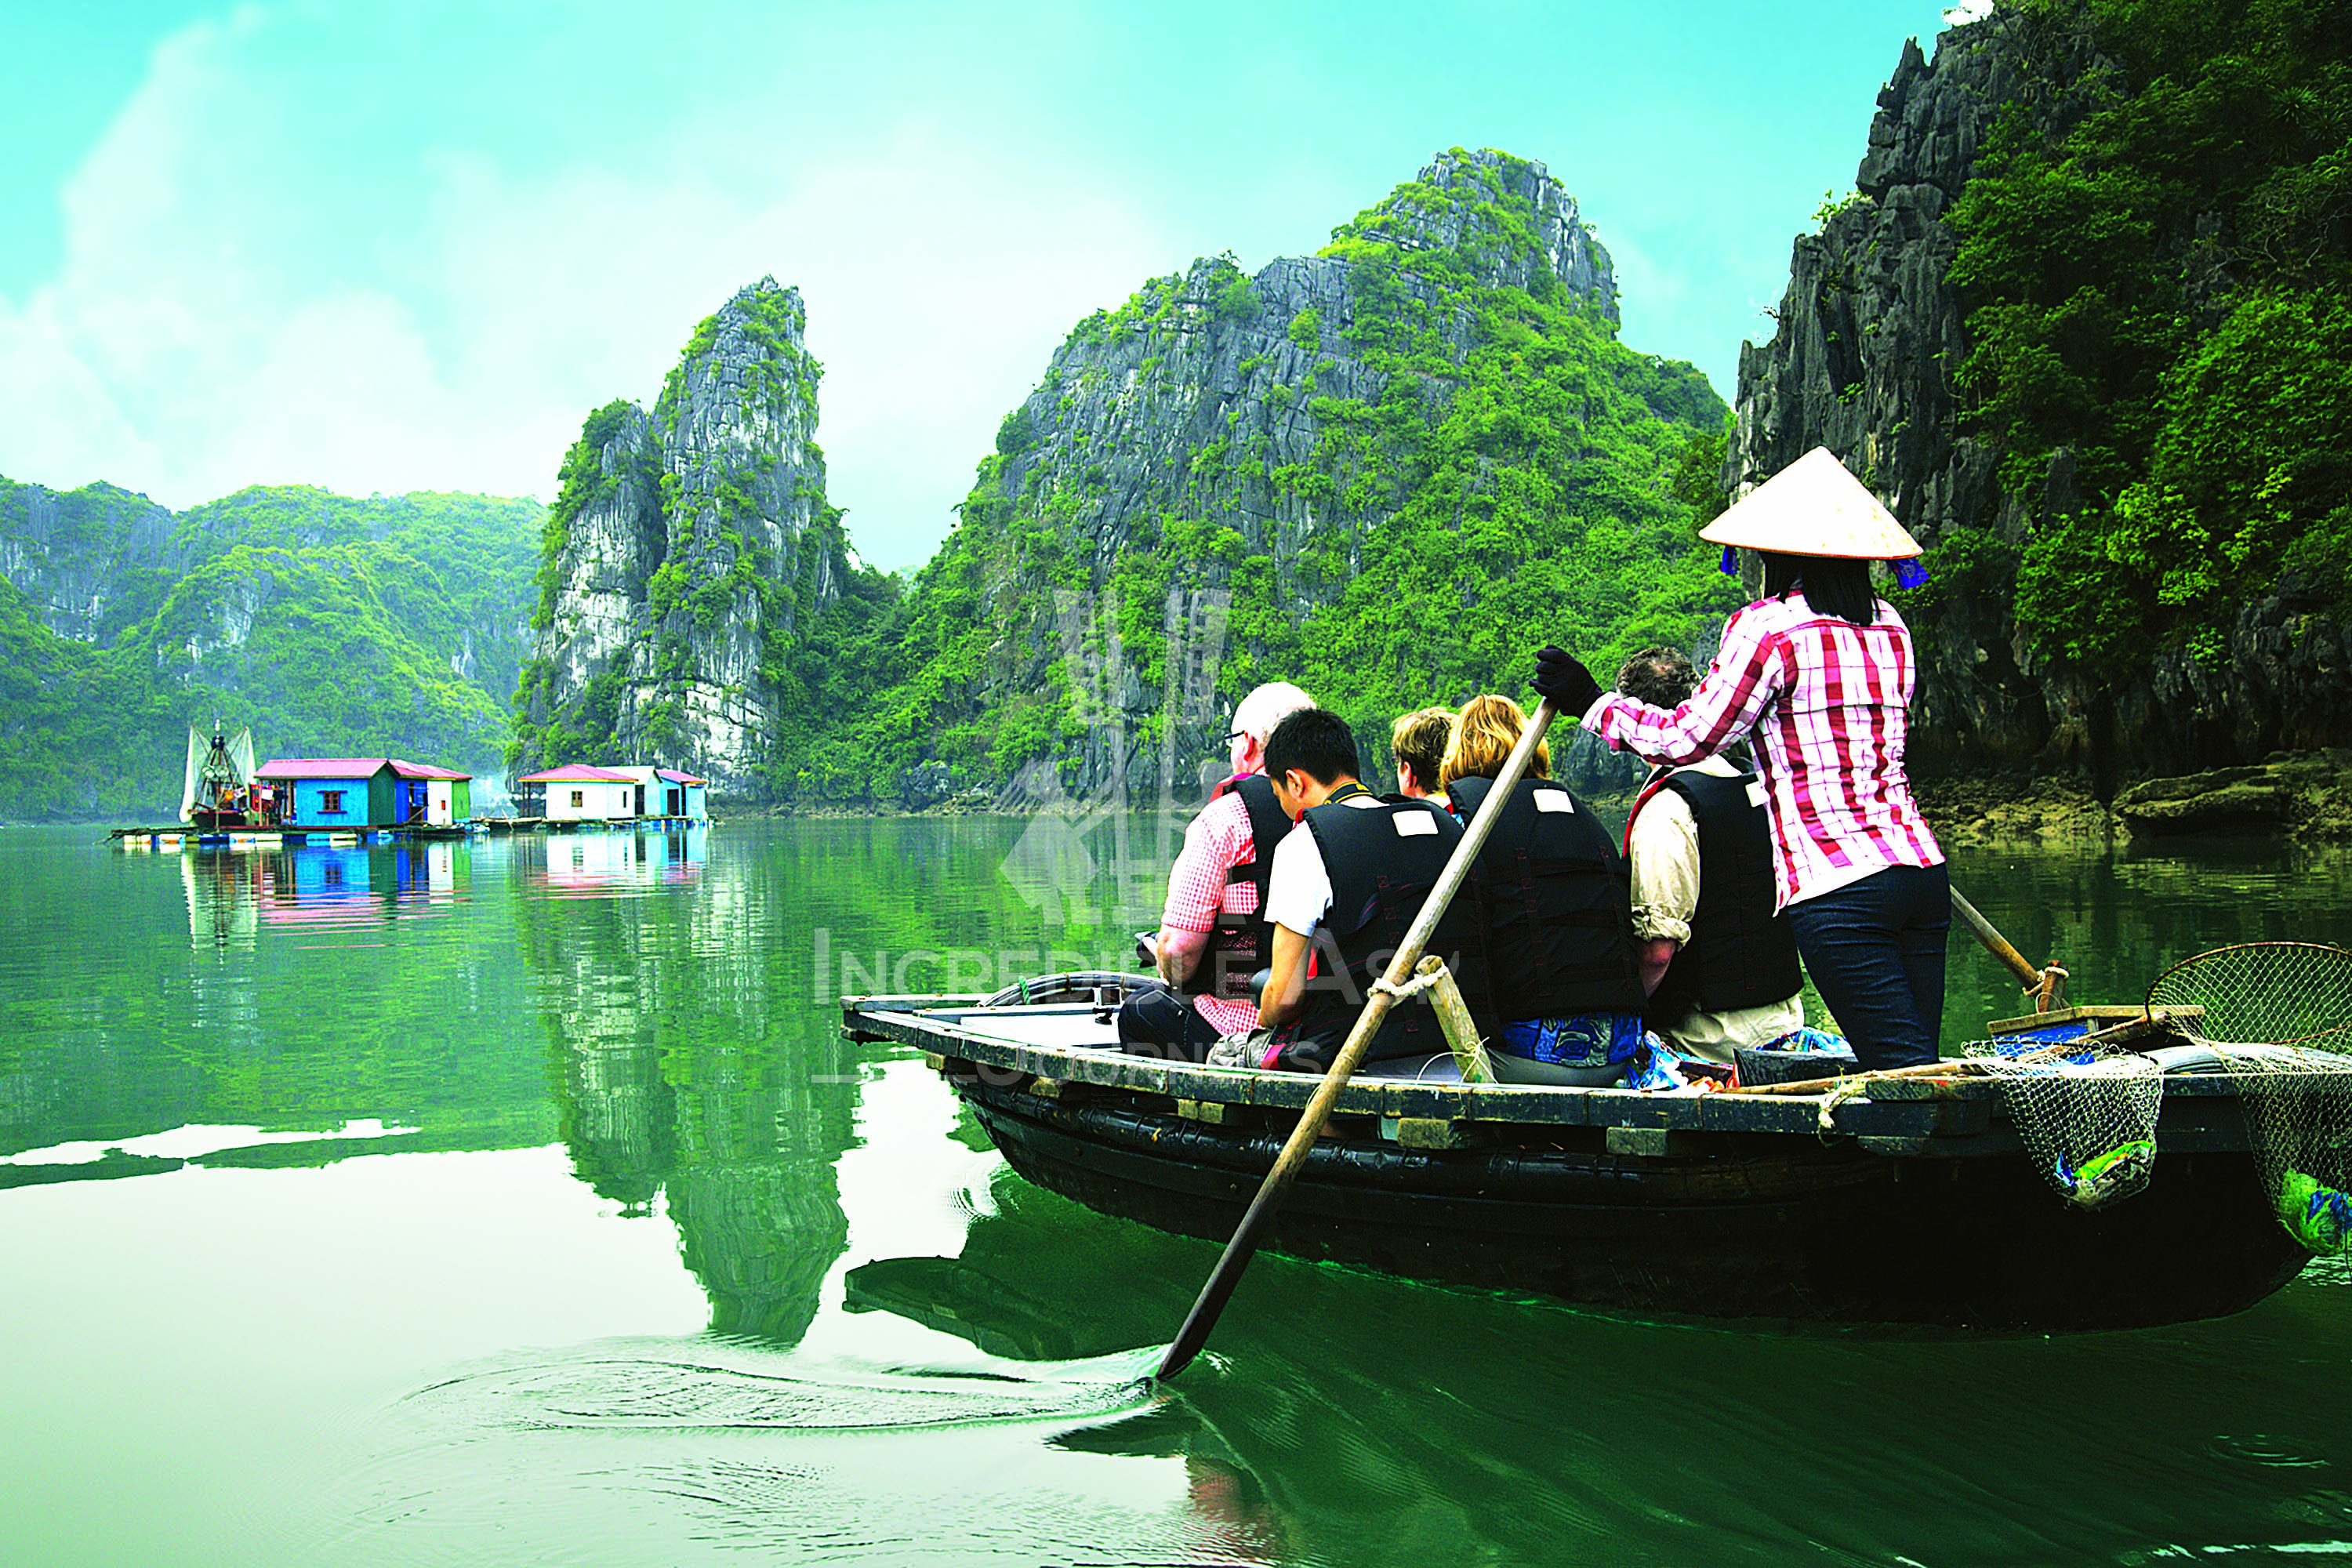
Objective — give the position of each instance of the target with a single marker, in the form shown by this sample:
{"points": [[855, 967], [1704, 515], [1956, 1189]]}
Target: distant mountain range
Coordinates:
{"points": [[334, 627], [2084, 324]]}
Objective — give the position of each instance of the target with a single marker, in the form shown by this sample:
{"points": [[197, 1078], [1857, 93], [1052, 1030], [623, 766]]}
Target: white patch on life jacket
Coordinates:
{"points": [[1555, 800], [1756, 793], [1408, 824]]}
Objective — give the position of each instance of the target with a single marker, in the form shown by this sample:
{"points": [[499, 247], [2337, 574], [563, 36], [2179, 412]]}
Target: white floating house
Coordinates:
{"points": [[665, 792], [578, 792]]}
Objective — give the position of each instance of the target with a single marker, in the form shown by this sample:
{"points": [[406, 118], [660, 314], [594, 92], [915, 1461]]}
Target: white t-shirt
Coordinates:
{"points": [[1298, 890]]}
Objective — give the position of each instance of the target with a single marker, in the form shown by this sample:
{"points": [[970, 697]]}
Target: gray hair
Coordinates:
{"points": [[1262, 709]]}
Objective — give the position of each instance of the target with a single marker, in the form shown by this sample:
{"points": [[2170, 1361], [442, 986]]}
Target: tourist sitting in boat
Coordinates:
{"points": [[1719, 963], [1821, 671], [1346, 887], [1214, 936], [1550, 894], [1417, 744]]}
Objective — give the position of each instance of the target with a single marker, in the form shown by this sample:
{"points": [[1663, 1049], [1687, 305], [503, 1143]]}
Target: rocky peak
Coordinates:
{"points": [[1502, 220], [1228, 459], [1866, 339], [691, 542]]}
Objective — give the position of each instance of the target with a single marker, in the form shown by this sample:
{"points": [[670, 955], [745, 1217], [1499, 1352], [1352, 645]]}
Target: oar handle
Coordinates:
{"points": [[1293, 1158], [1995, 943]]}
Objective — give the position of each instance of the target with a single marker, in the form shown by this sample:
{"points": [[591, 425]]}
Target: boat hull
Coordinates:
{"points": [[1910, 1203], [1825, 1235]]}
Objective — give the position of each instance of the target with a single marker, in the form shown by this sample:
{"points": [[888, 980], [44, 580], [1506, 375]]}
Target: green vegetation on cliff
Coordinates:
{"points": [[2165, 289], [332, 626], [1489, 467]]}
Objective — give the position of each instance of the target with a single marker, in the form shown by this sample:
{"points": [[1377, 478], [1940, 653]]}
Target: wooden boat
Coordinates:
{"points": [[1916, 1204]]}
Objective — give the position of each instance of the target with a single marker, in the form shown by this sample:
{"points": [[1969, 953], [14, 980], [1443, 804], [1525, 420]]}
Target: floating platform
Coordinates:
{"points": [[276, 837], [589, 824]]}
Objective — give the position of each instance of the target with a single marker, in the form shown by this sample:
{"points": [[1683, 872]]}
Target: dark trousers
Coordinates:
{"points": [[1158, 1022], [1874, 949]]}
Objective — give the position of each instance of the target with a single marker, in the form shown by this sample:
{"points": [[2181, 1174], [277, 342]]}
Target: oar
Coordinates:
{"points": [[2048, 985], [1293, 1158]]}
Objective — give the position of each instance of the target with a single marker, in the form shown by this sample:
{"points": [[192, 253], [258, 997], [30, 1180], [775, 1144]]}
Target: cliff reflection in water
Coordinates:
{"points": [[684, 1069]]}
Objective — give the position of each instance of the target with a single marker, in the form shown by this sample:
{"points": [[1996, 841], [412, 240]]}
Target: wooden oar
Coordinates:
{"points": [[2048, 984], [1293, 1158]]}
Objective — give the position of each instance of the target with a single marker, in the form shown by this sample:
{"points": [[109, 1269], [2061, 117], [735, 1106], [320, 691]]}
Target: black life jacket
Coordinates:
{"points": [[1740, 954], [1553, 907], [1242, 944], [1382, 862]]}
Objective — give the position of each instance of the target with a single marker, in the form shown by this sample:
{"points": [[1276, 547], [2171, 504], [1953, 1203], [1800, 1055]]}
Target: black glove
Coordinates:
{"points": [[1569, 684]]}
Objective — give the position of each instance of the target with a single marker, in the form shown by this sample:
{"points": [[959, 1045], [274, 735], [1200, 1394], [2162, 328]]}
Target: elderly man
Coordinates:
{"points": [[1719, 966], [1213, 936]]}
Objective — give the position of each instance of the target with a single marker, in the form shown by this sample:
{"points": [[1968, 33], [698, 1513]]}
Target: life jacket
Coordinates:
{"points": [[1382, 861], [1553, 907], [1242, 944], [1740, 954]]}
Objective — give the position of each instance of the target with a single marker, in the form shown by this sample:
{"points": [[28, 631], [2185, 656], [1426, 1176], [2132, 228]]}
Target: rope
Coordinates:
{"points": [[1854, 1088], [1411, 988]]}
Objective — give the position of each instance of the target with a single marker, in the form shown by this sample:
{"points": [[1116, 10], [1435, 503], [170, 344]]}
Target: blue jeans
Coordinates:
{"points": [[1874, 949]]}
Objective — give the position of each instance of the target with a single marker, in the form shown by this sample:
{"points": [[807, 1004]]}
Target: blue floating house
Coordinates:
{"points": [[354, 794]]}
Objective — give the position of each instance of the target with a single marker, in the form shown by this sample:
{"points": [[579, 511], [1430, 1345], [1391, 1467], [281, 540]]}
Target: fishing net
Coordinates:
{"points": [[2278, 1016], [2086, 1112]]}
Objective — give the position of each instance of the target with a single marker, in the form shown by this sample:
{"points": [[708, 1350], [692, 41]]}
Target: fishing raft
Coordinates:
{"points": [[1904, 1200]]}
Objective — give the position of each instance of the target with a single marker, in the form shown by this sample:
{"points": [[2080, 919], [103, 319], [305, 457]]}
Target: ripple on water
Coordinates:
{"points": [[700, 1385], [663, 1449]]}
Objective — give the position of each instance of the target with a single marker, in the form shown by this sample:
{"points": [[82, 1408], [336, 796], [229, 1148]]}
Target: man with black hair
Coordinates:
{"points": [[1213, 936], [1718, 965], [1346, 890]]}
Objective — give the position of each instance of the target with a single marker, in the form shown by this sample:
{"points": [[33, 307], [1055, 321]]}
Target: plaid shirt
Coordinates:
{"points": [[1216, 841], [1829, 702]]}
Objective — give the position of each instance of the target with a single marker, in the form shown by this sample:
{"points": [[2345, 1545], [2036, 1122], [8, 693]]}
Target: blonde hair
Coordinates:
{"points": [[1418, 740], [1483, 734]]}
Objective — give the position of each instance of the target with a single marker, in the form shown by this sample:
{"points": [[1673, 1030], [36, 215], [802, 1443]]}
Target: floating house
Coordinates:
{"points": [[356, 792], [665, 792], [578, 792]]}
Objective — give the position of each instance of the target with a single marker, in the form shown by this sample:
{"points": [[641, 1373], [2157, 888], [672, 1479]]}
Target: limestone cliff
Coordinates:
{"points": [[87, 561], [1870, 338], [685, 548], [1379, 470]]}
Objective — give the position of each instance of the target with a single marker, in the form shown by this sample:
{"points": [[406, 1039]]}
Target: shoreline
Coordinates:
{"points": [[2290, 797]]}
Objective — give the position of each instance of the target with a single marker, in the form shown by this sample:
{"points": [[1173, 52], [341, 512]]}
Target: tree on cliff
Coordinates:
{"points": [[2163, 286]]}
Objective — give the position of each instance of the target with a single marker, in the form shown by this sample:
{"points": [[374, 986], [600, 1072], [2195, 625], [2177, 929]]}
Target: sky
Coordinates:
{"points": [[394, 247]]}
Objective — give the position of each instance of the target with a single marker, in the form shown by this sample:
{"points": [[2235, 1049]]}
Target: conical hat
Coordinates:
{"points": [[1813, 507]]}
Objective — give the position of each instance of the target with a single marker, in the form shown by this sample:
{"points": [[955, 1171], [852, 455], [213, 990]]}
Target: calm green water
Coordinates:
{"points": [[519, 1202]]}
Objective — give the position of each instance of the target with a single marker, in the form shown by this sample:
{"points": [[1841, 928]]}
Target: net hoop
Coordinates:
{"points": [[2263, 968]]}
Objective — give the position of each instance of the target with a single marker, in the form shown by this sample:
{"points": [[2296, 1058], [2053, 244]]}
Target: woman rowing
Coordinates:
{"points": [[1820, 670]]}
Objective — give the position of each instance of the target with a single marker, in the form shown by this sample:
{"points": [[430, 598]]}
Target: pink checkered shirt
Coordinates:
{"points": [[1217, 840], [1829, 702]]}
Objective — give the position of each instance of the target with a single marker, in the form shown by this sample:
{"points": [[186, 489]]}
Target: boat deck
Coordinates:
{"points": [[1071, 1050]]}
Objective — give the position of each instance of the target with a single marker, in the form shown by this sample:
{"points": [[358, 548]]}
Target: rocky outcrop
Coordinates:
{"points": [[87, 561], [1226, 447], [1862, 362], [2307, 794], [693, 541]]}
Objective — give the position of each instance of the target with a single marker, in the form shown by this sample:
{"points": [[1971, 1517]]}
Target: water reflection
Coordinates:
{"points": [[234, 893], [619, 864], [1362, 1420], [685, 1075]]}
